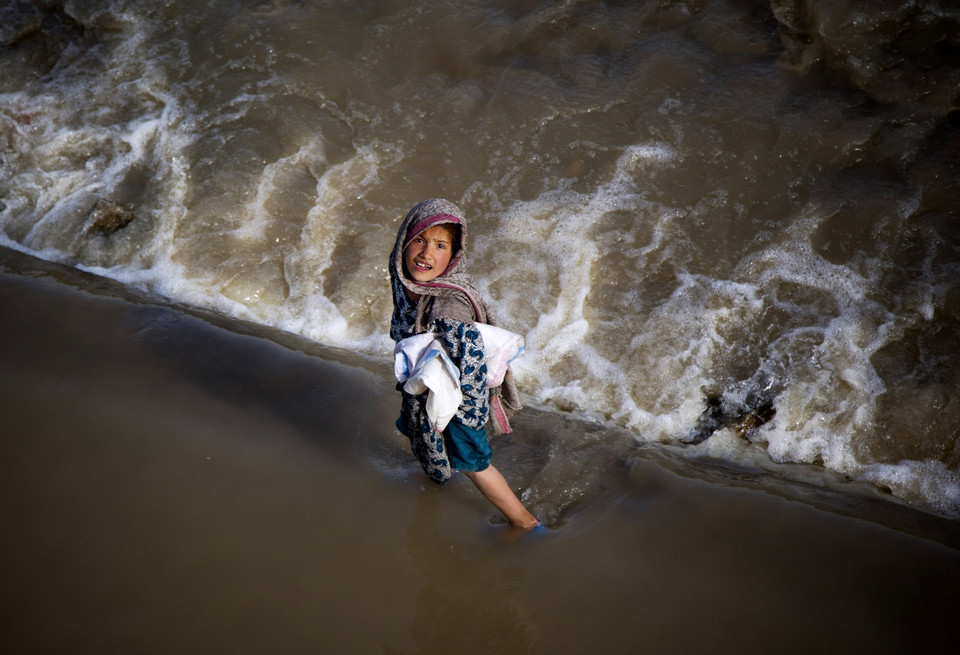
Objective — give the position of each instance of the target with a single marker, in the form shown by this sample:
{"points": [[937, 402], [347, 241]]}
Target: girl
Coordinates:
{"points": [[432, 292]]}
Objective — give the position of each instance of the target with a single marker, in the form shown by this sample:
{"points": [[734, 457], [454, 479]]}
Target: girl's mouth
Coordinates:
{"points": [[423, 267]]}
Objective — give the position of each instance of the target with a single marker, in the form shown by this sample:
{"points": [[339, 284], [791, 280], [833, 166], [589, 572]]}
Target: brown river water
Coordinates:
{"points": [[727, 230]]}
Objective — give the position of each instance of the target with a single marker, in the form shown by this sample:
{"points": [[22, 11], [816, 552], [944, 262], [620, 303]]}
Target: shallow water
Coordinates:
{"points": [[173, 480], [748, 206]]}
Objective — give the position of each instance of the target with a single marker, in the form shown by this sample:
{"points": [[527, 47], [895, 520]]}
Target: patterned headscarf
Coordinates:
{"points": [[454, 284]]}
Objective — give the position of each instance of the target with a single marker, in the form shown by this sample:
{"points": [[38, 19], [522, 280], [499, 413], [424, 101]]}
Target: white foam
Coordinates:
{"points": [[928, 480]]}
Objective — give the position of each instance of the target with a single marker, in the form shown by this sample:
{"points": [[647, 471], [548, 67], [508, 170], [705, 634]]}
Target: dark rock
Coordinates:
{"points": [[108, 218]]}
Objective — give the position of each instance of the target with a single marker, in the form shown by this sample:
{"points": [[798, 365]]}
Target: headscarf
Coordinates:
{"points": [[452, 294]]}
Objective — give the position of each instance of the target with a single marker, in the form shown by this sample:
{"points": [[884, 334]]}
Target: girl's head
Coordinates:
{"points": [[430, 243], [429, 260]]}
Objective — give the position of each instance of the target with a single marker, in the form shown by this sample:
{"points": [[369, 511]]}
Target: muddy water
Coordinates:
{"points": [[725, 227], [178, 481]]}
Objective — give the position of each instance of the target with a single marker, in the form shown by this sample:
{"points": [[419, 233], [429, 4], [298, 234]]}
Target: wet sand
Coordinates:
{"points": [[178, 482]]}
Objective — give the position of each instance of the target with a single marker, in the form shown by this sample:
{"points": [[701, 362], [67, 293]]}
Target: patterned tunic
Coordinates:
{"points": [[465, 347]]}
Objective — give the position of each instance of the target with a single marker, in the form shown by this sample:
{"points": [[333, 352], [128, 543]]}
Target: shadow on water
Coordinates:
{"points": [[309, 387]]}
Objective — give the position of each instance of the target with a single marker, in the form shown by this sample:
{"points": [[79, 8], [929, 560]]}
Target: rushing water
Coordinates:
{"points": [[731, 225]]}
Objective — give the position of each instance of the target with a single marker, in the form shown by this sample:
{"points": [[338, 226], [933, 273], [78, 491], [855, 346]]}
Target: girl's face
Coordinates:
{"points": [[427, 256]]}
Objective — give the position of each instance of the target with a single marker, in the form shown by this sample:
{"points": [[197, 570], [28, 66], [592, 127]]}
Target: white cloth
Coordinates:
{"points": [[422, 364], [500, 347]]}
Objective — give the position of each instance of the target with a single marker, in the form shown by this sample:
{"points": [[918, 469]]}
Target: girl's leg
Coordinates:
{"points": [[494, 487]]}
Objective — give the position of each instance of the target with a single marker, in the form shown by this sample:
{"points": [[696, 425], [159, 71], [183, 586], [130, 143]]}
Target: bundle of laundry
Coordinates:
{"points": [[422, 364]]}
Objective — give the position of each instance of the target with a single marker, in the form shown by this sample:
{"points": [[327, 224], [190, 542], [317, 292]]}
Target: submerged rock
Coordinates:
{"points": [[107, 218], [903, 54], [18, 19], [33, 38], [743, 416]]}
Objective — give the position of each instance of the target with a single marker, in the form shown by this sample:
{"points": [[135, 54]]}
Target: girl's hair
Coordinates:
{"points": [[454, 230]]}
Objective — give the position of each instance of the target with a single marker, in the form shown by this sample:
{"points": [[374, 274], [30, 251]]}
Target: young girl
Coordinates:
{"points": [[433, 293]]}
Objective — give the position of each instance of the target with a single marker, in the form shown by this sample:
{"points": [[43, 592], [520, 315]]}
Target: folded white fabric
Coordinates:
{"points": [[422, 364]]}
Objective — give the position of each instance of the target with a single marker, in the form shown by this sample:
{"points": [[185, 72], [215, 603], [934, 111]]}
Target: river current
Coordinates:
{"points": [[730, 227]]}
